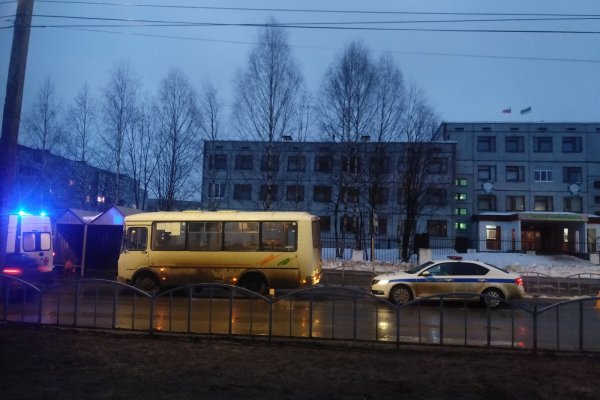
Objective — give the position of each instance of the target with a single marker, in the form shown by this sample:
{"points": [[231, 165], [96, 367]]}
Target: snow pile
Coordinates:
{"points": [[557, 266]]}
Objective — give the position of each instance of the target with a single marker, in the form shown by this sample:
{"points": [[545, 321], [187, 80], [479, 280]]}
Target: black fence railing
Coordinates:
{"points": [[314, 313]]}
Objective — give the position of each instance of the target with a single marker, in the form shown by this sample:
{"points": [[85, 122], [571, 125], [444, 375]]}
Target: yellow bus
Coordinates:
{"points": [[255, 250]]}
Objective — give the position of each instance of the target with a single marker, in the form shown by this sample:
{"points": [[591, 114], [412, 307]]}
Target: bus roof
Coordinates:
{"points": [[222, 215]]}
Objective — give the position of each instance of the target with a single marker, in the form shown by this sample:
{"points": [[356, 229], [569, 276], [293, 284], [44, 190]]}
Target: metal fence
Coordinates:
{"points": [[315, 313], [389, 248]]}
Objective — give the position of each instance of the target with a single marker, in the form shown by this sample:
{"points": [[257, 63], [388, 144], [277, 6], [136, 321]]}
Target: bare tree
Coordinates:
{"points": [[82, 126], [81, 133], [416, 175], [347, 114], [215, 177], [45, 131], [178, 144], [119, 109], [268, 92], [43, 124], [140, 160]]}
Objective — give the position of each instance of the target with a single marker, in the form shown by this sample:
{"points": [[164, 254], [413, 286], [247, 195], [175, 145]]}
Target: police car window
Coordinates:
{"points": [[464, 268], [440, 269]]}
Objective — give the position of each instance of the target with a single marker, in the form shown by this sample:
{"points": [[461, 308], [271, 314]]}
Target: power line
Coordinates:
{"points": [[165, 23], [296, 10], [423, 53]]}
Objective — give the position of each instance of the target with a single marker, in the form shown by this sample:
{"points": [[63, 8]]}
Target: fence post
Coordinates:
{"points": [[271, 302], [580, 325], [151, 317], [535, 328]]}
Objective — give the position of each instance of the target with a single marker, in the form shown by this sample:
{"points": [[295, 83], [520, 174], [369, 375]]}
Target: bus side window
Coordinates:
{"points": [[137, 238], [241, 236]]}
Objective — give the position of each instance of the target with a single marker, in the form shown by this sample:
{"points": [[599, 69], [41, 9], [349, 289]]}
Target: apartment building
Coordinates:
{"points": [[51, 183], [353, 187], [528, 186], [498, 186]]}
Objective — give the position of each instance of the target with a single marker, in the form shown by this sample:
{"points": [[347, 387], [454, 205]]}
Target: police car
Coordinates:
{"points": [[453, 275]]}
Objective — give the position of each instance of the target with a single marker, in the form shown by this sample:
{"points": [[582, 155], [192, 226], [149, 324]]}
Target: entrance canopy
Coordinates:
{"points": [[545, 232]]}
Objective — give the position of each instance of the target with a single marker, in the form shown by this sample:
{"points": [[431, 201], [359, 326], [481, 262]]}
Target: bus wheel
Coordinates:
{"points": [[255, 283], [146, 282]]}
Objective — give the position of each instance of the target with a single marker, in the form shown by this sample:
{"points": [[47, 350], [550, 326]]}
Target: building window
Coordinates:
{"points": [[242, 192], [515, 203], [268, 192], [244, 162], [437, 196], [460, 196], [216, 191], [325, 223], [437, 165], [573, 204], [486, 143], [322, 194], [543, 203], [296, 163], [379, 195], [218, 161], [542, 175], [323, 163], [572, 175], [514, 144], [349, 195], [486, 202], [542, 144], [349, 224], [269, 163], [379, 164], [437, 227], [381, 227], [460, 211], [596, 184], [571, 144], [295, 193], [460, 226], [486, 173], [351, 164], [515, 173], [596, 199], [460, 182]]}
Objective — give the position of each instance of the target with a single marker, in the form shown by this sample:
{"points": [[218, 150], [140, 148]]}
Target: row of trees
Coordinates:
{"points": [[157, 139]]}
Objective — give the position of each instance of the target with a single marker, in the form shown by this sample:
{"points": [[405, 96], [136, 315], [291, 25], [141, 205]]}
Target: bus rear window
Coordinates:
{"points": [[316, 234]]}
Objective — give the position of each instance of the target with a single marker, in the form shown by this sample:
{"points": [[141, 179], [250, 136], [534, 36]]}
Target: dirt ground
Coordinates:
{"points": [[52, 363]]}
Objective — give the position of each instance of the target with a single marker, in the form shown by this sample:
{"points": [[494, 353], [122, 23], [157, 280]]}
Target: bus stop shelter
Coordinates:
{"points": [[90, 241]]}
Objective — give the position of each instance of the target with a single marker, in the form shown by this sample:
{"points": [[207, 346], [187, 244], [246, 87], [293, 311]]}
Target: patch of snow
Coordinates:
{"points": [[556, 266]]}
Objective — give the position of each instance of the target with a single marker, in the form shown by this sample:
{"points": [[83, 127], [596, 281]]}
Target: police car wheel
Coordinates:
{"points": [[401, 294], [492, 298]]}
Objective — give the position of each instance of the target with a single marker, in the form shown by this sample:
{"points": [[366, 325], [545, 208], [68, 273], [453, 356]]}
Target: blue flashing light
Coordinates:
{"points": [[43, 214], [22, 213]]}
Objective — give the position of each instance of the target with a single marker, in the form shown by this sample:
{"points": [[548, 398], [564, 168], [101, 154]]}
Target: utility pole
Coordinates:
{"points": [[12, 114]]}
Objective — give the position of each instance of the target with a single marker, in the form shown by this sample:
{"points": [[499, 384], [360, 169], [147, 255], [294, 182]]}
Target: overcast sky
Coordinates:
{"points": [[468, 72]]}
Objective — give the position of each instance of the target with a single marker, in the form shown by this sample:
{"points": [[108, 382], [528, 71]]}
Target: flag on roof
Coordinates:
{"points": [[526, 110], [506, 111]]}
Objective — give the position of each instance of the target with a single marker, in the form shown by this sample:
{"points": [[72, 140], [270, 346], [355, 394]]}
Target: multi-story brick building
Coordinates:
{"points": [[44, 181], [499, 186], [528, 186]]}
